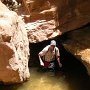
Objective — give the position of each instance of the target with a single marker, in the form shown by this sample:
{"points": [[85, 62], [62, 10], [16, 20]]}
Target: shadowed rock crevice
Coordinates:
{"points": [[79, 45]]}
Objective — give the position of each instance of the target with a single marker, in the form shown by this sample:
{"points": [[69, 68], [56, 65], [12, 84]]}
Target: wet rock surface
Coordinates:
{"points": [[14, 47]]}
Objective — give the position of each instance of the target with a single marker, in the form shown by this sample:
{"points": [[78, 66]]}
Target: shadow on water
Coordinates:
{"points": [[72, 76]]}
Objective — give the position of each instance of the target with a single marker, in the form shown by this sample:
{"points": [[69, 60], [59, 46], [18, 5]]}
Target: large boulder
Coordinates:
{"points": [[50, 18], [14, 47], [78, 44]]}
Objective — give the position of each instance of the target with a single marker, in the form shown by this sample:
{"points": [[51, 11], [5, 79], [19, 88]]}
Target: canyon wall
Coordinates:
{"points": [[78, 44], [14, 47], [50, 18]]}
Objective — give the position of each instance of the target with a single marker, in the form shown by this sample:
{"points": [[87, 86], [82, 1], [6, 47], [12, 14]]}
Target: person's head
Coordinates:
{"points": [[52, 44]]}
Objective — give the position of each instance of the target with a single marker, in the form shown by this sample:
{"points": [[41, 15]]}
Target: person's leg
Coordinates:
{"points": [[52, 68]]}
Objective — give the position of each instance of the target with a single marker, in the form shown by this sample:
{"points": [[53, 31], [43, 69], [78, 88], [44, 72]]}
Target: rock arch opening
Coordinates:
{"points": [[70, 63]]}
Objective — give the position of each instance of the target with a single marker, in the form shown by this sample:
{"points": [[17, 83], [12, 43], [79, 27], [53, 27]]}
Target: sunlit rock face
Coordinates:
{"points": [[79, 45], [14, 47], [43, 21], [50, 18]]}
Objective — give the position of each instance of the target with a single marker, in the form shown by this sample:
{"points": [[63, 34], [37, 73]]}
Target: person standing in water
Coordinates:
{"points": [[48, 56]]}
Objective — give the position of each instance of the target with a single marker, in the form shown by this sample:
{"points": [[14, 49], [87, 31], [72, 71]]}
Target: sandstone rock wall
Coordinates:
{"points": [[73, 14], [78, 44], [50, 18], [14, 47], [43, 21]]}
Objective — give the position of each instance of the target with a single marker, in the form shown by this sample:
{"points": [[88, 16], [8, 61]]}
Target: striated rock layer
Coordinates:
{"points": [[78, 44], [14, 47]]}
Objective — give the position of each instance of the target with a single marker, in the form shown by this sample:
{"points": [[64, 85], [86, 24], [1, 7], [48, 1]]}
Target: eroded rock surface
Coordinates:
{"points": [[50, 18], [78, 44], [73, 14], [43, 21], [14, 47]]}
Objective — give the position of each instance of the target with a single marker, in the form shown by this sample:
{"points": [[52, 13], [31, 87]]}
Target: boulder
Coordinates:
{"points": [[14, 47], [78, 44]]}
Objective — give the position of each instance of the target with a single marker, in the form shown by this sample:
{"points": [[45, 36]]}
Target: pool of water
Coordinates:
{"points": [[40, 81], [44, 81]]}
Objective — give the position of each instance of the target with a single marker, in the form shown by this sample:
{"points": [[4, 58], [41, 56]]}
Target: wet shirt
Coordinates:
{"points": [[48, 55]]}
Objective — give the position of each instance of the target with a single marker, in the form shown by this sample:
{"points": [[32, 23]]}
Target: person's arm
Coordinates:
{"points": [[58, 59], [40, 59], [41, 54]]}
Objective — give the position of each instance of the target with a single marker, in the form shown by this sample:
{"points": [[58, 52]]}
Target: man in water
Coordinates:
{"points": [[48, 56]]}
